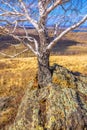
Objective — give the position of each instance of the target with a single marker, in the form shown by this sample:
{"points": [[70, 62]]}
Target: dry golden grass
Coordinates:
{"points": [[80, 37], [74, 63], [15, 74]]}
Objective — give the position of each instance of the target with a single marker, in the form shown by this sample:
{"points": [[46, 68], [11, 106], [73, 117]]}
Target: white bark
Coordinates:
{"points": [[21, 39], [44, 7], [32, 21], [49, 47], [44, 10], [31, 39]]}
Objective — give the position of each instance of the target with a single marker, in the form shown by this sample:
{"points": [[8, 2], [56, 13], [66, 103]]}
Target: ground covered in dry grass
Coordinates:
{"points": [[15, 75]]}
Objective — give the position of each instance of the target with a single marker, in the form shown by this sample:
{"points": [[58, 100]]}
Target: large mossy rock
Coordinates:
{"points": [[62, 105]]}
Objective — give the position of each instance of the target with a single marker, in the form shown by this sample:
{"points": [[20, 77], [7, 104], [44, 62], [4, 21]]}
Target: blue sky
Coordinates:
{"points": [[76, 9], [72, 12]]}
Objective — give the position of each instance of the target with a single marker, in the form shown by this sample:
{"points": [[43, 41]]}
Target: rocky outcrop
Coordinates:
{"points": [[62, 105], [7, 110]]}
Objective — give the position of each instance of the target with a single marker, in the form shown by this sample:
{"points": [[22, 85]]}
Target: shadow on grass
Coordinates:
{"points": [[62, 46], [6, 41]]}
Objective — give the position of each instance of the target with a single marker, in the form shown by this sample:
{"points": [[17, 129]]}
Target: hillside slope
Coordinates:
{"points": [[73, 43]]}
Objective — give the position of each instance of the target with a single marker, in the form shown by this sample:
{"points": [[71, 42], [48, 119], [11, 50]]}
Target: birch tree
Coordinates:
{"points": [[36, 12]]}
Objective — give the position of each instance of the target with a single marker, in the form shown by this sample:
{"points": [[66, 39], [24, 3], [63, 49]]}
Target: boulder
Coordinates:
{"points": [[62, 105], [7, 110]]}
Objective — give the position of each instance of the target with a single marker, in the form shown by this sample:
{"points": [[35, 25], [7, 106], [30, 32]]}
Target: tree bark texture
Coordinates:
{"points": [[44, 73]]}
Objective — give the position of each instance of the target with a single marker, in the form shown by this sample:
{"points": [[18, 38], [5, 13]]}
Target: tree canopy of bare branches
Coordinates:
{"points": [[40, 14]]}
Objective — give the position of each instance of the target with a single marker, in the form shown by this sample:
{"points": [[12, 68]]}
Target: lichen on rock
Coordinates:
{"points": [[58, 106]]}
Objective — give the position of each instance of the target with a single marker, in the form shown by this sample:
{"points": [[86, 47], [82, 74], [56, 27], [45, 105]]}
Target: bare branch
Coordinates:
{"points": [[9, 5], [3, 30], [8, 13], [49, 47], [11, 23], [36, 45], [42, 5], [15, 26], [10, 56], [17, 18], [26, 44], [20, 52], [27, 36], [34, 22], [21, 39], [4, 54], [31, 39], [31, 48], [55, 4]]}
